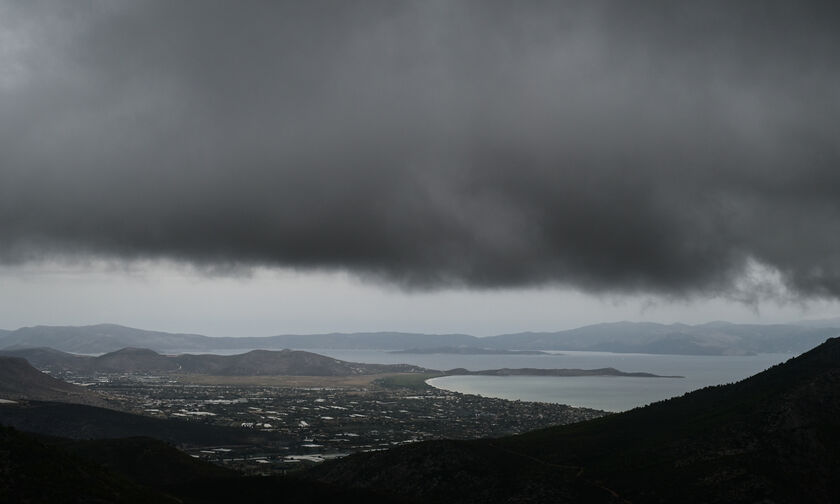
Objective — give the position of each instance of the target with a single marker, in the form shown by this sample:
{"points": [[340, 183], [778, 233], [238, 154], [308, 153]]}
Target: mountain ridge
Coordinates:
{"points": [[254, 363], [714, 338]]}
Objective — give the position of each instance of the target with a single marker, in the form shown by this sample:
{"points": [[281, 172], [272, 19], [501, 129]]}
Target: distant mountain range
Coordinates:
{"points": [[102, 338], [715, 338]]}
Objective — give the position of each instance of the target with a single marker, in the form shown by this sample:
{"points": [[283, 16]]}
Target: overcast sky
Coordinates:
{"points": [[447, 166]]}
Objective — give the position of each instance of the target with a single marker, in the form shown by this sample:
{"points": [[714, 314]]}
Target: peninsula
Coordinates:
{"points": [[468, 350]]}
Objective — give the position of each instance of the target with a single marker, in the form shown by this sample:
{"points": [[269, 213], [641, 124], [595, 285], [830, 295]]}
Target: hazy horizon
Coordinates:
{"points": [[831, 320]]}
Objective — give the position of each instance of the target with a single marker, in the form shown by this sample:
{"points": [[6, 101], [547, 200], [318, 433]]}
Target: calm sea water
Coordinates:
{"points": [[601, 392]]}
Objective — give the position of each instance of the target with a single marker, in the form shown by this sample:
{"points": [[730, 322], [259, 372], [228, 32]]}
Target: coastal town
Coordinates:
{"points": [[303, 425]]}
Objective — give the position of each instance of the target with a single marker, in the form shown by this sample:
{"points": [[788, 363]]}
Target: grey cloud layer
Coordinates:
{"points": [[612, 147]]}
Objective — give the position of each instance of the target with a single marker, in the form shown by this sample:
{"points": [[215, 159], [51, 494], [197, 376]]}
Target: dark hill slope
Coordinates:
{"points": [[31, 470], [774, 437], [146, 461], [86, 422], [19, 380], [162, 468], [450, 471], [38, 469]]}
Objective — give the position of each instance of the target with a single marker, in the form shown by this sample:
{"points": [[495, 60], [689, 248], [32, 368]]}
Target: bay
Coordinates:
{"points": [[610, 393]]}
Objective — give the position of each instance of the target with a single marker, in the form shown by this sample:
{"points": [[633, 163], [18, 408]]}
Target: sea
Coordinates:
{"points": [[609, 393]]}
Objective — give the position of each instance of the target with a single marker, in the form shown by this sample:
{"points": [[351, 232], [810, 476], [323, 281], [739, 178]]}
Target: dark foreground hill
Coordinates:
{"points": [[253, 363], [34, 471], [78, 421], [774, 437], [37, 469]]}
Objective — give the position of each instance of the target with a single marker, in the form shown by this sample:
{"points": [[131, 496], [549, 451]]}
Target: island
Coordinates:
{"points": [[466, 350], [554, 372]]}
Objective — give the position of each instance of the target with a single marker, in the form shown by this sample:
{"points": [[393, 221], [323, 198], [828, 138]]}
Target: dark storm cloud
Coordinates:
{"points": [[616, 146]]}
